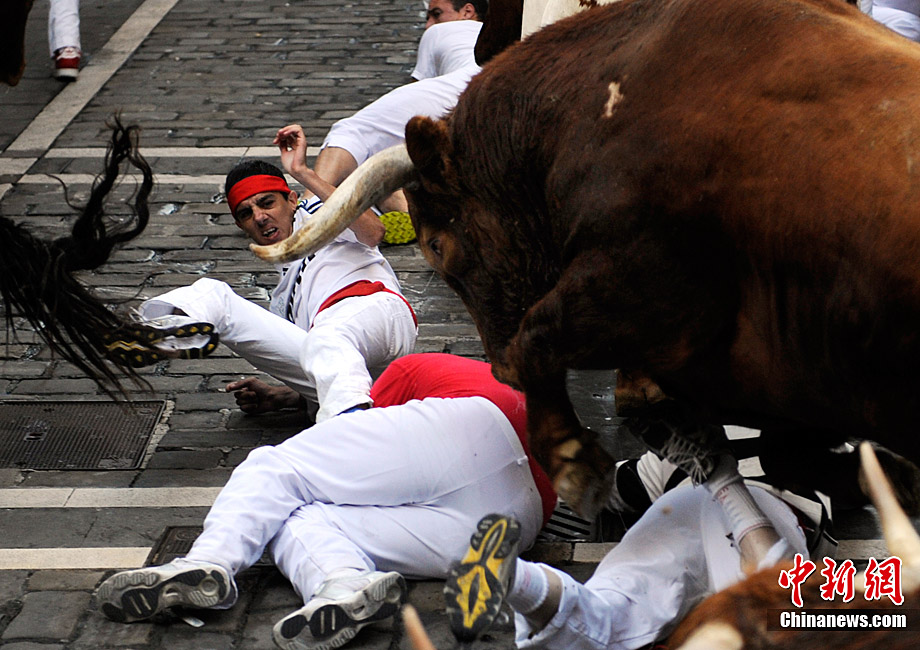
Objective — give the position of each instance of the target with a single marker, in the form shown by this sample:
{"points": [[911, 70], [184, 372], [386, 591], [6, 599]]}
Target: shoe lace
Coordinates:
{"points": [[697, 461]]}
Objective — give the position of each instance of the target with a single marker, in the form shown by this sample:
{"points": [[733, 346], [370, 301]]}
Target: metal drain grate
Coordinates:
{"points": [[176, 541], [565, 526], [76, 435]]}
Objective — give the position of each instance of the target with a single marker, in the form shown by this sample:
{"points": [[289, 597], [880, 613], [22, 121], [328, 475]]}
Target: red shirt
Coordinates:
{"points": [[418, 376]]}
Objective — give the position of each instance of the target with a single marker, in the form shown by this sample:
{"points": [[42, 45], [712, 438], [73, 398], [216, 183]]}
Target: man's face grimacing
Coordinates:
{"points": [[267, 217], [442, 11]]}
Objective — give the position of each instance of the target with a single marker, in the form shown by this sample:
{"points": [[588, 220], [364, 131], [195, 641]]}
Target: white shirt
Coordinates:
{"points": [[446, 47], [336, 265]]}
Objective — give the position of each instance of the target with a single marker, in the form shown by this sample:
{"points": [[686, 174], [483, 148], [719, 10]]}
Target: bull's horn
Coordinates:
{"points": [[417, 635], [381, 175], [900, 535], [715, 635]]}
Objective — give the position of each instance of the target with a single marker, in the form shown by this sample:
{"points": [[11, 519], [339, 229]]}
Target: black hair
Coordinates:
{"points": [[38, 277], [481, 6], [250, 167]]}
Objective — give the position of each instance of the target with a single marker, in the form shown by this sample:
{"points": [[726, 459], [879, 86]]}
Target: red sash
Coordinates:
{"points": [[362, 288]]}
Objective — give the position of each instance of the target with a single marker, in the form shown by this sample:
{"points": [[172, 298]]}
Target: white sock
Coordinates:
{"points": [[727, 487], [529, 588]]}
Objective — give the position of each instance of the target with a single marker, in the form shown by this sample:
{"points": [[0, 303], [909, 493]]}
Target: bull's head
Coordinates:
{"points": [[494, 259]]}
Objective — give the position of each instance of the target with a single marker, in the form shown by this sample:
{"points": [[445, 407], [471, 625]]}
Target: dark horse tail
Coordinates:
{"points": [[37, 276]]}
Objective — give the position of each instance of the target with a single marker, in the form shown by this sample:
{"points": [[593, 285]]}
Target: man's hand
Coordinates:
{"points": [[292, 144], [255, 396]]}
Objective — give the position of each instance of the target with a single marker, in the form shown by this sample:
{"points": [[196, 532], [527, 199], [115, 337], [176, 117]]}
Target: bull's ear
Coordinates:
{"points": [[430, 150]]}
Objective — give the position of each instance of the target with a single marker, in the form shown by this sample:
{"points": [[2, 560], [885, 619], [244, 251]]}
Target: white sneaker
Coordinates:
{"points": [[173, 336], [138, 595], [340, 608]]}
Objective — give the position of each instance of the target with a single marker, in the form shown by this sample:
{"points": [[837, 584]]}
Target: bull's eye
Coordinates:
{"points": [[434, 245]]}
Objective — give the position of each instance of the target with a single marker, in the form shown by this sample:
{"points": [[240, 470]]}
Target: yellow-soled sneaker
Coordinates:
{"points": [[476, 586], [167, 337]]}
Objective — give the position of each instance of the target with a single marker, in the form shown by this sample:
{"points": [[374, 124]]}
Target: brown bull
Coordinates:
{"points": [[720, 196]]}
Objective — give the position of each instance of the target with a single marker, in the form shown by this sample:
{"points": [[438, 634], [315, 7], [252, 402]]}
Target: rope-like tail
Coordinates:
{"points": [[36, 276]]}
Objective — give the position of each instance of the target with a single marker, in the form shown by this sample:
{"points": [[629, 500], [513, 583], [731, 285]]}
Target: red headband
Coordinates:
{"points": [[251, 185]]}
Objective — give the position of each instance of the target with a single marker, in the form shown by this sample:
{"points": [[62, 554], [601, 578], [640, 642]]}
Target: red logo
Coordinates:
{"points": [[883, 579]]}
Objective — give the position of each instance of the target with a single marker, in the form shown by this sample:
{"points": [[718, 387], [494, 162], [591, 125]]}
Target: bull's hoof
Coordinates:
{"points": [[903, 475], [635, 393], [582, 490]]}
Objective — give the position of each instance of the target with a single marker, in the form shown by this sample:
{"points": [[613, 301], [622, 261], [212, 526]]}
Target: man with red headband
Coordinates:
{"points": [[333, 314]]}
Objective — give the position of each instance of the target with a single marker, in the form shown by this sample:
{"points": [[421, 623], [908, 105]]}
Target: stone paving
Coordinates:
{"points": [[211, 80]]}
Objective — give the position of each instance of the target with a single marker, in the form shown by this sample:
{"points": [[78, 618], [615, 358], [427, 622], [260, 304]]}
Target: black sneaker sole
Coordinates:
{"points": [[133, 345], [475, 588], [334, 625], [139, 595]]}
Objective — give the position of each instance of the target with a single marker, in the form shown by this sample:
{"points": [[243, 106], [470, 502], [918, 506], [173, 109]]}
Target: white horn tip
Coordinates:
{"points": [[899, 533]]}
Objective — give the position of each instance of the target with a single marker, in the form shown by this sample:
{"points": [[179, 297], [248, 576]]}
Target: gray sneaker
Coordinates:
{"points": [[138, 595], [340, 608]]}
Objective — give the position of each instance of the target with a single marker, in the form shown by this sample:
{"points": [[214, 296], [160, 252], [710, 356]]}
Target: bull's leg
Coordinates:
{"points": [[580, 469], [552, 338]]}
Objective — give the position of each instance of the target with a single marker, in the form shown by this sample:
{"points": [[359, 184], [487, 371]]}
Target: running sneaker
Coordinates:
{"points": [[399, 228], [477, 585], [678, 437], [339, 609], [140, 594], [66, 64], [167, 337]]}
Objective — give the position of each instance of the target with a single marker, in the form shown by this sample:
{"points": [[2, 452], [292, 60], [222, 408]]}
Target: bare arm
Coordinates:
{"points": [[293, 146], [255, 396]]}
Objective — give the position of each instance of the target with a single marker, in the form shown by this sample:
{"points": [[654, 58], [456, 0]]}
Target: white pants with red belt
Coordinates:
{"points": [[674, 556], [63, 24], [393, 489], [329, 364]]}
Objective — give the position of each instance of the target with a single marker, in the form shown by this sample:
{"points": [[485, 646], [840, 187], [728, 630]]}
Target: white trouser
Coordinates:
{"points": [[904, 23], [328, 364], [393, 489], [63, 24], [674, 556], [382, 123]]}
